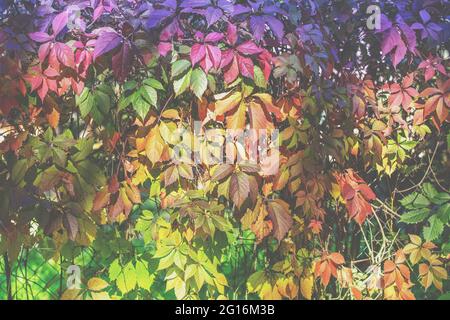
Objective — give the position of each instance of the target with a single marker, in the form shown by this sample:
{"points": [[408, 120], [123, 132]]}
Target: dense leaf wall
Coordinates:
{"points": [[110, 112]]}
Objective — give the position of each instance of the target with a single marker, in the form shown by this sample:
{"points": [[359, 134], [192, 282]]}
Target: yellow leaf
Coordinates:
{"points": [[237, 119], [306, 286], [97, 284], [154, 145], [227, 104]]}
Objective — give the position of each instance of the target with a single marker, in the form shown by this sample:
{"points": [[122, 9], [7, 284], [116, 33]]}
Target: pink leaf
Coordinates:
{"points": [[43, 52], [198, 52], [246, 66], [248, 48], [164, 48], [214, 37], [232, 34]]}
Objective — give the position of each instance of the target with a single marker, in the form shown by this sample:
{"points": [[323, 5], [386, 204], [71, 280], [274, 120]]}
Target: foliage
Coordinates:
{"points": [[99, 97]]}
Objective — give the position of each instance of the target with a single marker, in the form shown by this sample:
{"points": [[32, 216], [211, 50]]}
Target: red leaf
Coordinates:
{"points": [[232, 71], [246, 66], [121, 62]]}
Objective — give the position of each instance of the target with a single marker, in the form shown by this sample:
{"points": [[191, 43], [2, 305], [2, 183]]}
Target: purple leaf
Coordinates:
{"points": [[40, 37], [240, 9], [425, 16], [257, 25], [59, 22], [156, 17], [276, 26], [390, 40], [106, 42], [195, 3], [212, 15]]}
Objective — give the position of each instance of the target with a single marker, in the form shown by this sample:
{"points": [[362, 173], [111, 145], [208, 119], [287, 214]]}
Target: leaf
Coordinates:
{"points": [[198, 52], [259, 78], [59, 22], [415, 201], [222, 171], [180, 85], [121, 62], [280, 215], [85, 102], [434, 230], [141, 106], [199, 82], [19, 170], [106, 42], [149, 94], [126, 280], [392, 41], [224, 105], [179, 67], [143, 278], [71, 225], [97, 284], [415, 216], [53, 118], [306, 286], [154, 146], [239, 188]]}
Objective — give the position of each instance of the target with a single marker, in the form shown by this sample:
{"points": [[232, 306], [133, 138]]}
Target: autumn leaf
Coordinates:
{"points": [[239, 188], [280, 216]]}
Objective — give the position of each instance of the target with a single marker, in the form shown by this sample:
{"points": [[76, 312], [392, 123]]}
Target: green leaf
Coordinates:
{"points": [[59, 157], [434, 230], [85, 102], [154, 84], [259, 78], [415, 216], [429, 191], [102, 101], [180, 85], [19, 170], [441, 197], [129, 85], [124, 102], [126, 280], [179, 67], [149, 94], [141, 106], [199, 82], [444, 213], [415, 201], [144, 280]]}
